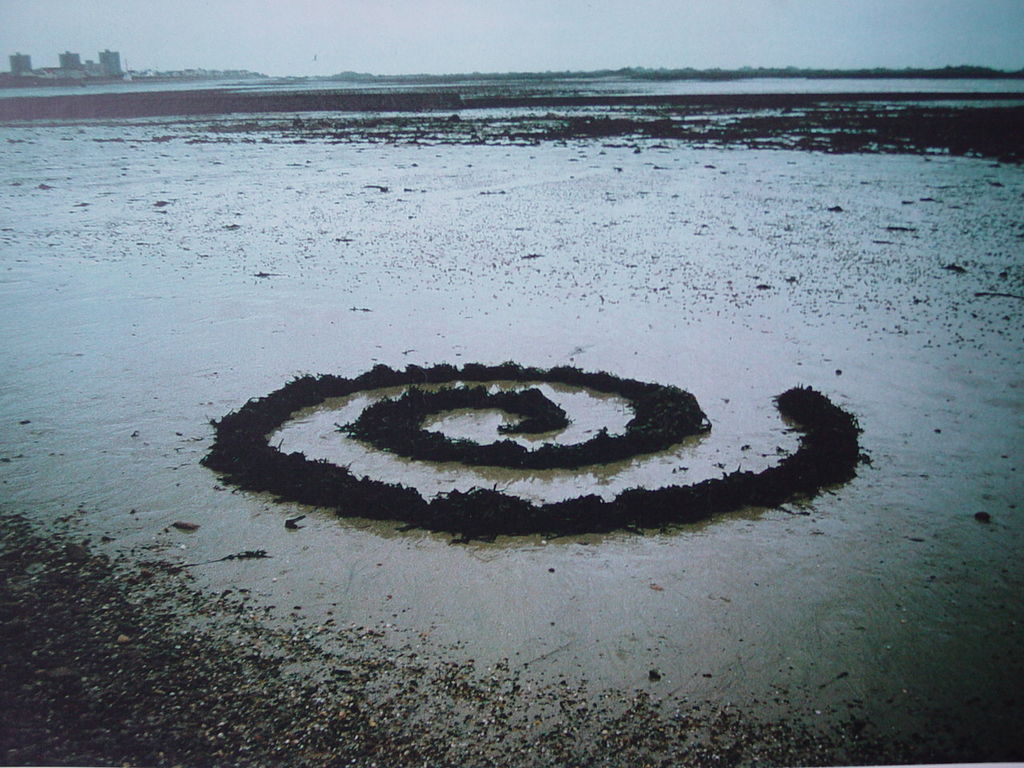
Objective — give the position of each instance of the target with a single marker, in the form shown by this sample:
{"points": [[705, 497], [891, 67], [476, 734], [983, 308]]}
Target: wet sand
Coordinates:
{"points": [[114, 672], [159, 273]]}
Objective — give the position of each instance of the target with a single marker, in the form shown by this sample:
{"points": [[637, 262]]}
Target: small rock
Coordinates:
{"points": [[983, 517], [122, 639], [185, 526], [955, 268], [836, 209], [654, 675], [60, 673]]}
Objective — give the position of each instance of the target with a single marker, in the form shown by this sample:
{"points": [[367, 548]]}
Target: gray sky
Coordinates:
{"points": [[320, 37]]}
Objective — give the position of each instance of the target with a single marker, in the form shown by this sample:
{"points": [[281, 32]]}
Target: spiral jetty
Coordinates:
{"points": [[828, 453]]}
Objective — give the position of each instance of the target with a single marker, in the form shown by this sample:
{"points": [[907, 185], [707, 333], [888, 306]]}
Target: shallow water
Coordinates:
{"points": [[133, 314]]}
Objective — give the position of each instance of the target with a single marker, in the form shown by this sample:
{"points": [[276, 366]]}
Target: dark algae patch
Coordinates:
{"points": [[828, 454], [973, 124], [961, 125]]}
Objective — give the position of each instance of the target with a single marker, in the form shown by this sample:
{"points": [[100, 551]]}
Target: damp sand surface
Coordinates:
{"points": [[156, 275]]}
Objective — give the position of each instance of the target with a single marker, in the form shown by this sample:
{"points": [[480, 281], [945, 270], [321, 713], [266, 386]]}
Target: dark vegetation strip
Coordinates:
{"points": [[828, 454], [214, 102], [222, 101]]}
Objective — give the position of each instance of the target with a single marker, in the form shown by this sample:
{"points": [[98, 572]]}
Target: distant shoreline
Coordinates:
{"points": [[8, 80], [744, 73]]}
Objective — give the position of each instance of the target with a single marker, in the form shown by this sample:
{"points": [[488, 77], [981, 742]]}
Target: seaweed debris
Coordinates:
{"points": [[828, 454], [664, 416]]}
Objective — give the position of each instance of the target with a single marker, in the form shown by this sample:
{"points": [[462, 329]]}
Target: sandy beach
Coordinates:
{"points": [[159, 272]]}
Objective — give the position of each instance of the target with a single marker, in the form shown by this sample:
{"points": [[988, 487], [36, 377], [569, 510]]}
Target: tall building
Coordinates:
{"points": [[110, 63], [70, 60], [21, 64]]}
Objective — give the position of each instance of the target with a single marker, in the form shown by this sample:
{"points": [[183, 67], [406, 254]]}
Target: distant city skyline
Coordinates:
{"points": [[324, 37]]}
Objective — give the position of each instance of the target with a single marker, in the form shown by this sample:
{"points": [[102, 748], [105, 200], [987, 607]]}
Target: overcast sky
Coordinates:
{"points": [[321, 37]]}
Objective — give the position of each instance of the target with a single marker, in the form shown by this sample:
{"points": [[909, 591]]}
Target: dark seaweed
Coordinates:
{"points": [[663, 417], [828, 454], [955, 123]]}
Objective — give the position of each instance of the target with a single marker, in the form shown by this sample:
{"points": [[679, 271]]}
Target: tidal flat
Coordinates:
{"points": [[159, 272]]}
